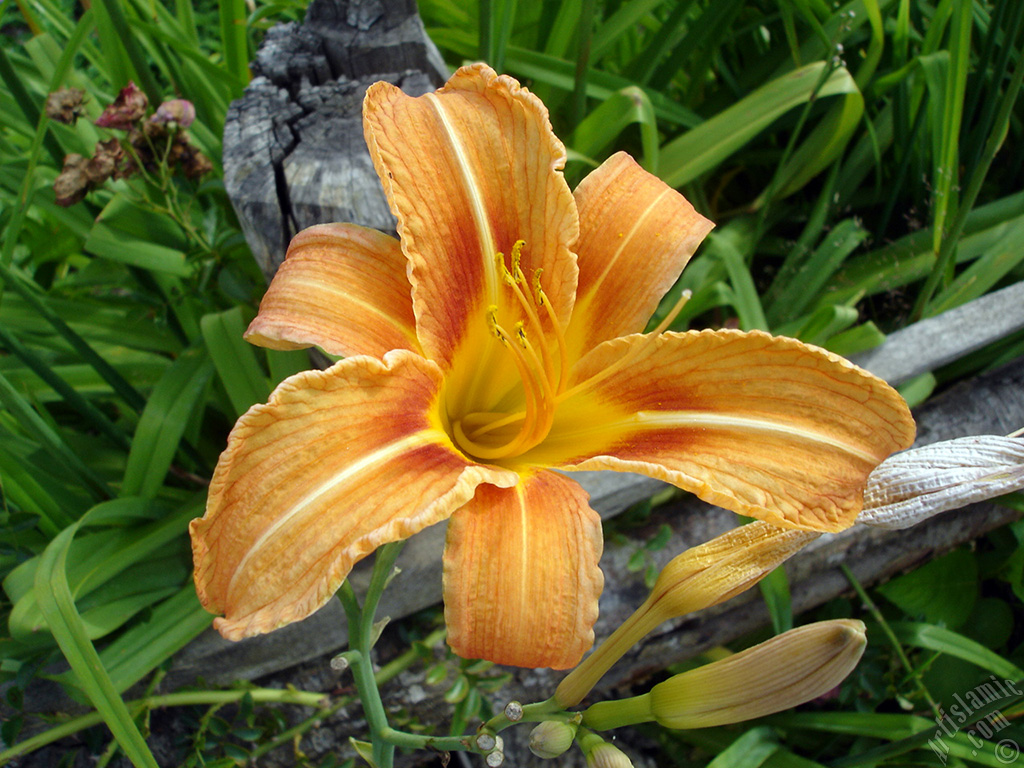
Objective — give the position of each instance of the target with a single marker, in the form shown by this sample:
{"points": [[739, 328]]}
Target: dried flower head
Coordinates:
{"points": [[175, 112], [72, 183], [65, 105], [128, 108]]}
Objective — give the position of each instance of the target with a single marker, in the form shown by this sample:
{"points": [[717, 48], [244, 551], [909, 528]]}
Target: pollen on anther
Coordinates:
{"points": [[521, 333], [538, 291], [517, 255], [492, 321]]}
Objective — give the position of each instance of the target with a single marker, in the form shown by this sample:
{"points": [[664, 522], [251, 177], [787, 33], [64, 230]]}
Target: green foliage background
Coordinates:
{"points": [[859, 158]]}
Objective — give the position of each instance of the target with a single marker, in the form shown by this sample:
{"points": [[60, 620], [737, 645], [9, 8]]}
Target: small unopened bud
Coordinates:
{"points": [[601, 754], [778, 674], [700, 577], [551, 739]]}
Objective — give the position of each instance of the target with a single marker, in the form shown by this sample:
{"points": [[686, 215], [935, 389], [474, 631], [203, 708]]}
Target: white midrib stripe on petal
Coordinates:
{"points": [[626, 240], [661, 419], [371, 459], [476, 198], [362, 304]]}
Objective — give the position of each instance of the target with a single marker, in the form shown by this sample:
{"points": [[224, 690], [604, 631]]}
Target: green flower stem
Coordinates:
{"points": [[900, 654], [416, 741], [361, 638], [532, 713], [605, 715]]}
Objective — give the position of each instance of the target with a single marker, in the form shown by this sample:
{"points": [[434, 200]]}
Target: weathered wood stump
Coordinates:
{"points": [[294, 153]]}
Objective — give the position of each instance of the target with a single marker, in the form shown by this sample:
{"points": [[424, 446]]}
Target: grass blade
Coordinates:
{"points": [[58, 607], [163, 423]]}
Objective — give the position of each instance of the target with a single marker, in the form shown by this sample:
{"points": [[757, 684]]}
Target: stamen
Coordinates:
{"points": [[533, 404], [563, 351], [673, 313], [648, 339], [517, 255], [492, 322], [506, 276], [527, 307], [545, 401]]}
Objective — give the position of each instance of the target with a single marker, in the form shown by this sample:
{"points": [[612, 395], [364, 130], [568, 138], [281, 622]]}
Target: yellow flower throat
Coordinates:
{"points": [[542, 366], [493, 435]]}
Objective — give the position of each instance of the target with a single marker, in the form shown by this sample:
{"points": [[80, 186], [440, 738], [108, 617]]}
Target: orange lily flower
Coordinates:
{"points": [[498, 338]]}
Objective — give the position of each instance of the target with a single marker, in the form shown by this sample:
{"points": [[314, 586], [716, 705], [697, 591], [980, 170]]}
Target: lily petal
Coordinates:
{"points": [[636, 235], [521, 576], [341, 287], [768, 427], [337, 463], [468, 171]]}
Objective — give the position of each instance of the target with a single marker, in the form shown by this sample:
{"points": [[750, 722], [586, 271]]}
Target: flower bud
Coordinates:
{"points": [[607, 755], [551, 739], [601, 754], [698, 578], [780, 673]]}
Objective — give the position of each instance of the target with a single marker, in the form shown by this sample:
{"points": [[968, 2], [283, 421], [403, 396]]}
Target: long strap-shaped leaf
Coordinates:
{"points": [[57, 605]]}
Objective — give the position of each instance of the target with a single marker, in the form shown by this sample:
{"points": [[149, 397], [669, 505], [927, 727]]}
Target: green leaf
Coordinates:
{"points": [[941, 591], [129, 235], [775, 591], [163, 422], [750, 750], [706, 146], [947, 641], [58, 607], [235, 359]]}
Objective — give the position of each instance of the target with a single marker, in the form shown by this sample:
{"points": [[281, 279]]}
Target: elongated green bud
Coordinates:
{"points": [[778, 674], [698, 578]]}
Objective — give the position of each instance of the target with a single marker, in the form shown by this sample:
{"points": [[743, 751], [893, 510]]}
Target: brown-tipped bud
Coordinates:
{"points": [[551, 739], [722, 568], [778, 674], [700, 577]]}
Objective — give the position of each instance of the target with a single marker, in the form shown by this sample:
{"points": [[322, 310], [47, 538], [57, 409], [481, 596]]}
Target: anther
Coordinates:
{"points": [[538, 292], [492, 322], [521, 333], [517, 254], [506, 276]]}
